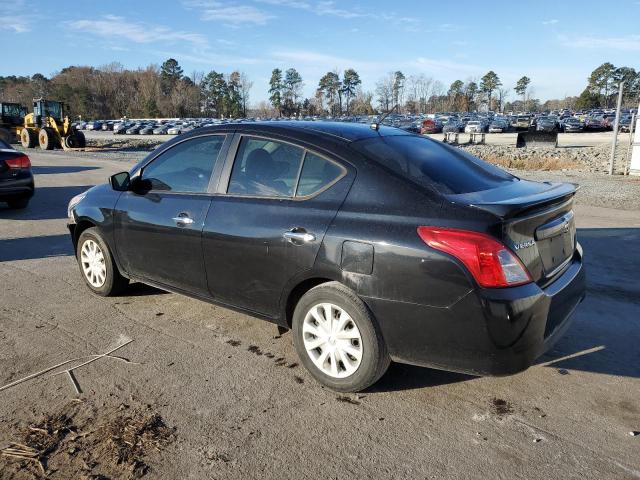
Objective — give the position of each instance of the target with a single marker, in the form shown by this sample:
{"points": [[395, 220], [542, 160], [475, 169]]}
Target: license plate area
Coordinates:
{"points": [[556, 242]]}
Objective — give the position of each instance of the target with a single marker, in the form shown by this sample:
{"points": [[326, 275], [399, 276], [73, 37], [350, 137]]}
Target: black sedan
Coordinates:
{"points": [[372, 244], [572, 125], [134, 129], [546, 124], [16, 178]]}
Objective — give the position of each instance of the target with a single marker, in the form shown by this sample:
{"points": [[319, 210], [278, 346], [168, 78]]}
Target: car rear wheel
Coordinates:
{"points": [[337, 339], [97, 266]]}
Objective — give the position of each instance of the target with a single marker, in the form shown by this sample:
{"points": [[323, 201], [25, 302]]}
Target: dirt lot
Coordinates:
{"points": [[203, 392]]}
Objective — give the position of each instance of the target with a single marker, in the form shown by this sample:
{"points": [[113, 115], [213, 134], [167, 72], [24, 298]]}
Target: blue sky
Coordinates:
{"points": [[555, 43]]}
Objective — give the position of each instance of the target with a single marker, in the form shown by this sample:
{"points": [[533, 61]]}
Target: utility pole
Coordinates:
{"points": [[629, 149], [616, 125]]}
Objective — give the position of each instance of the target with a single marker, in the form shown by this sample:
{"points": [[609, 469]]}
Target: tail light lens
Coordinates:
{"points": [[20, 161], [491, 263]]}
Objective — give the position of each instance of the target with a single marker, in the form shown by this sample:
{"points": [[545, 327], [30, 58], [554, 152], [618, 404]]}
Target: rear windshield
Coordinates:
{"points": [[429, 163]]}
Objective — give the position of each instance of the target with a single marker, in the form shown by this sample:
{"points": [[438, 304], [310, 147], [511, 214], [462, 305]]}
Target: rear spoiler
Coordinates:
{"points": [[514, 199]]}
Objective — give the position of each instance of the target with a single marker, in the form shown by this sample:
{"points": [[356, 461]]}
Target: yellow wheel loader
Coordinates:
{"points": [[49, 128]]}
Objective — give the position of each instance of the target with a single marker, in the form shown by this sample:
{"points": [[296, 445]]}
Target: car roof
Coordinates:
{"points": [[348, 132]]}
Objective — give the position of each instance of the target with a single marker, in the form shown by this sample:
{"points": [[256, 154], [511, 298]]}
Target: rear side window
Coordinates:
{"points": [[265, 168], [431, 164], [186, 167], [317, 174]]}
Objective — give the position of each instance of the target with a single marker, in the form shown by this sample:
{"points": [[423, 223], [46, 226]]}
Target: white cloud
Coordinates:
{"points": [[331, 8], [552, 21], [229, 13], [629, 43], [14, 23], [318, 8], [115, 27], [13, 18]]}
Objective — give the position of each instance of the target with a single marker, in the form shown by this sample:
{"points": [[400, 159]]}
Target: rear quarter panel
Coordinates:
{"points": [[384, 210]]}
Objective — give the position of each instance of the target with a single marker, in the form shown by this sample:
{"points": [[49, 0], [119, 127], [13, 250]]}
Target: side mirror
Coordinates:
{"points": [[120, 182]]}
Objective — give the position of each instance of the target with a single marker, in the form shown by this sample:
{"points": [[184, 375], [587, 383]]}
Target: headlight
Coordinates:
{"points": [[73, 202]]}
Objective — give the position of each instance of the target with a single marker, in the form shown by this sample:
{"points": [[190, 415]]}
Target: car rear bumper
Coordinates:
{"points": [[20, 187], [488, 331]]}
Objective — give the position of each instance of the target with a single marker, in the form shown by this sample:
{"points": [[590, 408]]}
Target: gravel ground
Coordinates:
{"points": [[596, 189], [594, 159]]}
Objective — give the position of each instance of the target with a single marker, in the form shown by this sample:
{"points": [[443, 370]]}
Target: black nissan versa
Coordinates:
{"points": [[371, 244]]}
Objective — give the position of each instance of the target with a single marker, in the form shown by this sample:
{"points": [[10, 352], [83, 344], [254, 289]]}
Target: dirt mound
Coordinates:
{"points": [[82, 441]]}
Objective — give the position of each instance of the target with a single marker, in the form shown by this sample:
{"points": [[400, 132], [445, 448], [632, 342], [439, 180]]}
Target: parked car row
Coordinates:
{"points": [[440, 122]]}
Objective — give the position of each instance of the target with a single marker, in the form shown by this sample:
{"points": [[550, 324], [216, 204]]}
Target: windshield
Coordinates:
{"points": [[11, 110], [53, 109], [429, 163]]}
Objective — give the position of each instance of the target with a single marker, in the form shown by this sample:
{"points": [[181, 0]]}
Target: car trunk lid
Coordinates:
{"points": [[536, 221]]}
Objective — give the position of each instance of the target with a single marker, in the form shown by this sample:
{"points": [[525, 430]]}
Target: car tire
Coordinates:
{"points": [[97, 266], [18, 203], [358, 346]]}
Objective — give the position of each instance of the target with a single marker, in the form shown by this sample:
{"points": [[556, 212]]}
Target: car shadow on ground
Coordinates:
{"points": [[48, 203], [29, 248], [409, 377], [137, 289], [605, 334], [48, 170]]}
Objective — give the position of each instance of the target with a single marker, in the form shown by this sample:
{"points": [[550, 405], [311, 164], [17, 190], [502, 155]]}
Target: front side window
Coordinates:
{"points": [[186, 167], [265, 168]]}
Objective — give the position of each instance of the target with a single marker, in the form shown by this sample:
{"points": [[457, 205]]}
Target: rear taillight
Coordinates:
{"points": [[19, 161], [489, 261]]}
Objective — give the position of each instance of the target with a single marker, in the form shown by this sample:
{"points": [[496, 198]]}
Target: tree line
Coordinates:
{"points": [[112, 91]]}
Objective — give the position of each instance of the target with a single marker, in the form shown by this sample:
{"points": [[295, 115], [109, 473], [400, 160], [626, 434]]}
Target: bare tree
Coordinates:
{"points": [[245, 88], [385, 92], [503, 94]]}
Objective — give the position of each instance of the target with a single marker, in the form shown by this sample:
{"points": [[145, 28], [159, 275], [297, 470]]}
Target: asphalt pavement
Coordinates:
{"points": [[242, 405]]}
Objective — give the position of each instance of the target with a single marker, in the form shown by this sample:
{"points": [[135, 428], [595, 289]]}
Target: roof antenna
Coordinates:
{"points": [[376, 125]]}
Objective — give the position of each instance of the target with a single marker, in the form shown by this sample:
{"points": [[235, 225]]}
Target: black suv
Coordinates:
{"points": [[371, 244]]}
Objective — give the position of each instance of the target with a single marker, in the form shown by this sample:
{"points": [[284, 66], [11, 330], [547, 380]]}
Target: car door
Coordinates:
{"points": [[266, 225], [158, 225]]}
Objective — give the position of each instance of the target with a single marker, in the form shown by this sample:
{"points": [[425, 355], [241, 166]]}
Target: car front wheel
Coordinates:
{"points": [[337, 339], [97, 266]]}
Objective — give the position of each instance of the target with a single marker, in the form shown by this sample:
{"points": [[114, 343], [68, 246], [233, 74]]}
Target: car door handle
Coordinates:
{"points": [[299, 236], [183, 219]]}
